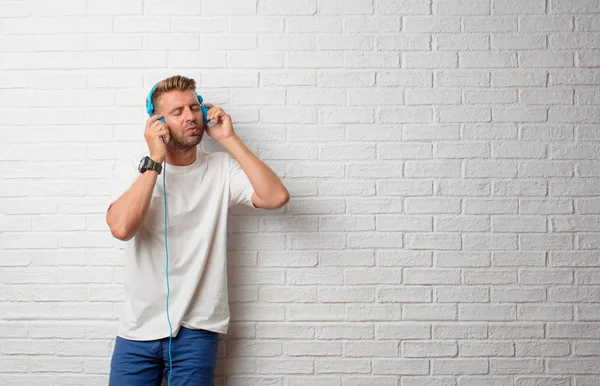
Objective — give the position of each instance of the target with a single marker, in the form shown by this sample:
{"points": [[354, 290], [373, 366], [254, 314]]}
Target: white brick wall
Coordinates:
{"points": [[442, 157]]}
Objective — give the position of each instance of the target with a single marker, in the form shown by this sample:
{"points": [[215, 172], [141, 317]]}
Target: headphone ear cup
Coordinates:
{"points": [[204, 110], [149, 105]]}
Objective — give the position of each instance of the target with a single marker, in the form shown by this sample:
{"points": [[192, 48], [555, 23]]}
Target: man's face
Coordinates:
{"points": [[183, 116]]}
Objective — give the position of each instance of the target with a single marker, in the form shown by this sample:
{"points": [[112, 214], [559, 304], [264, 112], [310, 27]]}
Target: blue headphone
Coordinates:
{"points": [[150, 106]]}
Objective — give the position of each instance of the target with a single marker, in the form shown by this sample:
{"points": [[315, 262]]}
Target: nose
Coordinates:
{"points": [[188, 114]]}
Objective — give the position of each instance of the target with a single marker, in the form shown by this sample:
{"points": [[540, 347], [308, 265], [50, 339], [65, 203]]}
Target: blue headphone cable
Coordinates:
{"points": [[167, 270]]}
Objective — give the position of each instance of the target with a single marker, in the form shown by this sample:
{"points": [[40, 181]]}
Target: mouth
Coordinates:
{"points": [[193, 129]]}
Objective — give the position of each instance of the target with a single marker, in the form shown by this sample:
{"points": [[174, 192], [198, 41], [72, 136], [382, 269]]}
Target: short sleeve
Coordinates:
{"points": [[240, 188], [124, 174]]}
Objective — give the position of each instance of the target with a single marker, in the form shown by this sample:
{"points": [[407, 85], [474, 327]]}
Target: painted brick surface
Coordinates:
{"points": [[442, 157]]}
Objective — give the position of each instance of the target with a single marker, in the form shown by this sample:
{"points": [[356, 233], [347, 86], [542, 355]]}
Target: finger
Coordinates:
{"points": [[154, 118], [209, 105], [218, 112], [213, 108], [157, 125], [221, 116], [161, 133]]}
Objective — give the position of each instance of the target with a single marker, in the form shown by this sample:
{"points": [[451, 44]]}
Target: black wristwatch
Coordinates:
{"points": [[148, 164]]}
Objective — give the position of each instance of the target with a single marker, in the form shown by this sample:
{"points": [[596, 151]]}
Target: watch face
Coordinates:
{"points": [[142, 165]]}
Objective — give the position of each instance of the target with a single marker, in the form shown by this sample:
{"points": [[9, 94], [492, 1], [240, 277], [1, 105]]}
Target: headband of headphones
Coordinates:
{"points": [[150, 106]]}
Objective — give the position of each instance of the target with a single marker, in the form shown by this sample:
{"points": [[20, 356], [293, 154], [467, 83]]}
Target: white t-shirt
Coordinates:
{"points": [[198, 199]]}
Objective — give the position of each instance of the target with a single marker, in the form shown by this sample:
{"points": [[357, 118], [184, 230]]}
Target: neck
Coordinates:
{"points": [[177, 157]]}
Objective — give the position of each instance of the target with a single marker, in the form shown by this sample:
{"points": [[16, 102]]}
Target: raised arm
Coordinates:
{"points": [[269, 191], [126, 214]]}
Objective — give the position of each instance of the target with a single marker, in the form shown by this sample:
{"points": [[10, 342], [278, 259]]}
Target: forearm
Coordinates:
{"points": [[266, 184], [125, 215]]}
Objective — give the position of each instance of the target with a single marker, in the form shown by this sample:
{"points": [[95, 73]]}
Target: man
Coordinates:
{"points": [[200, 188]]}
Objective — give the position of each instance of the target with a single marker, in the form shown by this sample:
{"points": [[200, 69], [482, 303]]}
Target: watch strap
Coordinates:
{"points": [[153, 165]]}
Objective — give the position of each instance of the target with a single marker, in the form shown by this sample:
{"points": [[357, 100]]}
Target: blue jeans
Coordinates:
{"points": [[193, 353]]}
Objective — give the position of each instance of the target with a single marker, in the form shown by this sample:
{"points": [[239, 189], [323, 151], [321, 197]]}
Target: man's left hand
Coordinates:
{"points": [[222, 127]]}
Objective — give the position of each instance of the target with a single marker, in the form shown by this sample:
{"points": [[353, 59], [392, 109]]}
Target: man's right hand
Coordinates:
{"points": [[154, 130]]}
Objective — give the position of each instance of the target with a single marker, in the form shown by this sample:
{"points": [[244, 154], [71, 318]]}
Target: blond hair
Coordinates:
{"points": [[177, 82]]}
